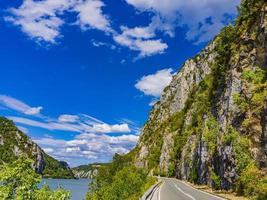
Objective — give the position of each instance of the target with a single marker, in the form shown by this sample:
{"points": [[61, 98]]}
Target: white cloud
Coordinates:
{"points": [[34, 111], [154, 84], [140, 39], [46, 125], [89, 146], [19, 106], [102, 44], [191, 13], [73, 149], [106, 128], [48, 150], [68, 118], [40, 19], [65, 122], [138, 32], [91, 15], [79, 126]]}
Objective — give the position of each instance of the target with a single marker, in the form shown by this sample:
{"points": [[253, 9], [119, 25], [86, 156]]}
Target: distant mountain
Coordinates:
{"points": [[14, 143], [87, 171]]}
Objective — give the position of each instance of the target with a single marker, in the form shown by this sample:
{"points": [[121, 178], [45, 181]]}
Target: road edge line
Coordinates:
{"points": [[185, 193], [213, 195]]}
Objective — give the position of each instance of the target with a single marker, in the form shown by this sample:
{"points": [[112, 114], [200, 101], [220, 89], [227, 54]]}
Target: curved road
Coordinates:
{"points": [[173, 189]]}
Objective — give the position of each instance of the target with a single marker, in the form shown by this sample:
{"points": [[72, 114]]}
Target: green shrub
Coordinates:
{"points": [[252, 183], [216, 181], [20, 182], [210, 133], [241, 146], [119, 181]]}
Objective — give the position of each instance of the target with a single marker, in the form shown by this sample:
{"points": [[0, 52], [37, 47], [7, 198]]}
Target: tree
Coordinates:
{"points": [[20, 182]]}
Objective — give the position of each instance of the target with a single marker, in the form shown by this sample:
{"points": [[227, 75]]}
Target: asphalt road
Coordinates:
{"points": [[173, 189]]}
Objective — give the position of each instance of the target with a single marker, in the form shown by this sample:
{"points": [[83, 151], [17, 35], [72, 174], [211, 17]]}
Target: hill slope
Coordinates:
{"points": [[210, 125], [14, 143]]}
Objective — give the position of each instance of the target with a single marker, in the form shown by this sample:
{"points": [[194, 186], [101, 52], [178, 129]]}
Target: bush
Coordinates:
{"points": [[19, 181], [216, 181], [119, 181], [253, 183]]}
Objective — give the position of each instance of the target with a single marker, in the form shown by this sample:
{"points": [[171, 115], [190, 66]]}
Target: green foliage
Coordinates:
{"points": [[253, 183], [247, 14], [171, 169], [176, 121], [119, 181], [20, 182], [242, 104], [216, 180], [241, 146], [193, 173], [253, 103], [210, 133], [55, 169], [256, 77]]}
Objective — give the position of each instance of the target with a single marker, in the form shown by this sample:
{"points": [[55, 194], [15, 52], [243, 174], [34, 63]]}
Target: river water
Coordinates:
{"points": [[77, 187]]}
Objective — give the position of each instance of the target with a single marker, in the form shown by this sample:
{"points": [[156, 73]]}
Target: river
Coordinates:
{"points": [[77, 187]]}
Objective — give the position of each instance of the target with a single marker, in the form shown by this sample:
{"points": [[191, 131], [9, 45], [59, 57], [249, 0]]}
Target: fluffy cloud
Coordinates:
{"points": [[203, 19], [40, 19], [141, 39], [106, 128], [88, 146], [91, 15], [19, 106], [154, 84]]}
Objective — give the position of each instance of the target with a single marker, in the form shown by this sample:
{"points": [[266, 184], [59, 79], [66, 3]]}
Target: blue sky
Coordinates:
{"points": [[80, 76]]}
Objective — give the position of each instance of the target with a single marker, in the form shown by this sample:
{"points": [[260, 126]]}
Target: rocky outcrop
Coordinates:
{"points": [[87, 171], [212, 120]]}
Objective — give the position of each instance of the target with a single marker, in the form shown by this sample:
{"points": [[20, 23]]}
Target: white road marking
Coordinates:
{"points": [[160, 190], [202, 191], [190, 196]]}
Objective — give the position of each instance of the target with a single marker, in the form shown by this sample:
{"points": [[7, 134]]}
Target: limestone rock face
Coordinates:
{"points": [[184, 139], [86, 171]]}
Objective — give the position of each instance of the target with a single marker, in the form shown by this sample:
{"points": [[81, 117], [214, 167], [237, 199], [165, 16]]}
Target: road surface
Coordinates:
{"points": [[173, 189]]}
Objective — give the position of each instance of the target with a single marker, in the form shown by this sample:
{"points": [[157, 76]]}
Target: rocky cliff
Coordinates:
{"points": [[14, 143], [87, 171], [210, 124]]}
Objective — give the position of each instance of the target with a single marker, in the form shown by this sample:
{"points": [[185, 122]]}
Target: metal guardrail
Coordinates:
{"points": [[149, 193]]}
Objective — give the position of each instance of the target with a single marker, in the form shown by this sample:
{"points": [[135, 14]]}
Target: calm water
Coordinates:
{"points": [[77, 187]]}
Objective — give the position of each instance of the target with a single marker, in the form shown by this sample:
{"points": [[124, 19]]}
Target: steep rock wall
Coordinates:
{"points": [[211, 120]]}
